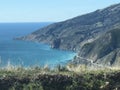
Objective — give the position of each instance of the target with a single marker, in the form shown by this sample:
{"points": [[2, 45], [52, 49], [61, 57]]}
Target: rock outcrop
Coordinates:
{"points": [[105, 50]]}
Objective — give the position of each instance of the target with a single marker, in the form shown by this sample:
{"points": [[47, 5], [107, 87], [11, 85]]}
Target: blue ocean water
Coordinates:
{"points": [[25, 53]]}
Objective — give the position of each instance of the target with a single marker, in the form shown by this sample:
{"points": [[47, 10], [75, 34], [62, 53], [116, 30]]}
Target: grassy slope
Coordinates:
{"points": [[58, 79]]}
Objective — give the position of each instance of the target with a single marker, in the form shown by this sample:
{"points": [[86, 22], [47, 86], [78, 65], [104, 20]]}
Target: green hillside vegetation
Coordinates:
{"points": [[59, 78]]}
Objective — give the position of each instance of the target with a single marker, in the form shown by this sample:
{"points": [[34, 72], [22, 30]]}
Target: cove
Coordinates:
{"points": [[26, 53]]}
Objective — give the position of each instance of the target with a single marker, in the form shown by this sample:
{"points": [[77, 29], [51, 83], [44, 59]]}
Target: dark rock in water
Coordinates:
{"points": [[56, 43]]}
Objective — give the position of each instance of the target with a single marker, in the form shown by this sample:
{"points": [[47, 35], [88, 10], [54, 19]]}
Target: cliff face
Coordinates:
{"points": [[72, 33], [104, 50]]}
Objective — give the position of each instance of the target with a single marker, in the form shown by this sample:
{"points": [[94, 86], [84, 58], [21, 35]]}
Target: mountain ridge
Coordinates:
{"points": [[76, 29], [75, 33]]}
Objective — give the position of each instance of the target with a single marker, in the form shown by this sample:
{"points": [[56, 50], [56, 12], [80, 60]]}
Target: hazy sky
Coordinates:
{"points": [[48, 10]]}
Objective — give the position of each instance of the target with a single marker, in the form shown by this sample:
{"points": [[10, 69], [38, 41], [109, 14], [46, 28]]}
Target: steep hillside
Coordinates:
{"points": [[104, 50], [72, 33]]}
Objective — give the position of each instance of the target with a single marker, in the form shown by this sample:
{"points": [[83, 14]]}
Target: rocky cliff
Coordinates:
{"points": [[72, 33], [104, 50]]}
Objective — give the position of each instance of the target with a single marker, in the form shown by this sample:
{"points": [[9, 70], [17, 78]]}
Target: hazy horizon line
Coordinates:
{"points": [[30, 22]]}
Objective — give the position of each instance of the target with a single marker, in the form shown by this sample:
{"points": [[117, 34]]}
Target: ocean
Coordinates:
{"points": [[26, 53]]}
